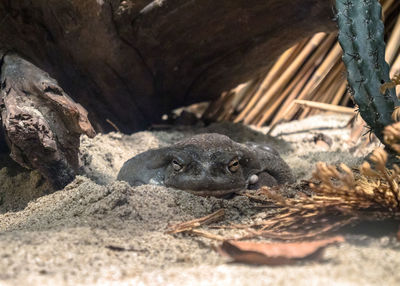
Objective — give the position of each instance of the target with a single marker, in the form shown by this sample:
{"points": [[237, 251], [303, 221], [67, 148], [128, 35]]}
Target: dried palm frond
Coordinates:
{"points": [[311, 70], [391, 134], [342, 195]]}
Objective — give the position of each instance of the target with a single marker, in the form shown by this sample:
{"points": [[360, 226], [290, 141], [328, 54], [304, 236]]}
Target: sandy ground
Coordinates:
{"points": [[98, 231]]}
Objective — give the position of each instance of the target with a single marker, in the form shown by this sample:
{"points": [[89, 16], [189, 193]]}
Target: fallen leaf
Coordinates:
{"points": [[275, 253]]}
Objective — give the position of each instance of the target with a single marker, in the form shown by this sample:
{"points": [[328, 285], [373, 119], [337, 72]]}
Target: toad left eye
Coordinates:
{"points": [[233, 165], [176, 165]]}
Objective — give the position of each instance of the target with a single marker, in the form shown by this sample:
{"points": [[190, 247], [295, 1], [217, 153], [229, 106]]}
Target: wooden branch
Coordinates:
{"points": [[41, 122]]}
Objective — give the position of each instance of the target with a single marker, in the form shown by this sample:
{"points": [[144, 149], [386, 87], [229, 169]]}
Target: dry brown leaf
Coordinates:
{"points": [[275, 253]]}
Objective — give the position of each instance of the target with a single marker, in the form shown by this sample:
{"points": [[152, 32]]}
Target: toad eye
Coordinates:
{"points": [[176, 165], [233, 165]]}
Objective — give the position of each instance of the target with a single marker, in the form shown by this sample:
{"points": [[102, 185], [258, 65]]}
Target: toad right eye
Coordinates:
{"points": [[234, 165], [176, 165]]}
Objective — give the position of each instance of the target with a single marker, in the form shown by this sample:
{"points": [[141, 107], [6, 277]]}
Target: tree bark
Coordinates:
{"points": [[132, 61]]}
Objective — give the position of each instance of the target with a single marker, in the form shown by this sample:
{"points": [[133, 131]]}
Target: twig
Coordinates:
{"points": [[394, 43], [271, 76], [325, 106], [307, 70], [190, 225], [286, 76], [113, 125]]}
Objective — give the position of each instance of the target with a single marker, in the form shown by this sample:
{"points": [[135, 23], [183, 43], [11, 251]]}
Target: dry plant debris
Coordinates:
{"points": [[391, 133], [189, 226], [391, 84], [275, 253], [341, 195], [374, 189], [312, 70]]}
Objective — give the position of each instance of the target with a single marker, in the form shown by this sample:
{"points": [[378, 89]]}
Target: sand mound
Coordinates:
{"points": [[98, 230]]}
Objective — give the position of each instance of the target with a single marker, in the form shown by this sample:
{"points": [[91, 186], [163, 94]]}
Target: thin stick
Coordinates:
{"points": [[324, 91], [313, 63], [297, 84], [214, 111], [190, 225], [272, 105], [319, 75], [113, 125], [328, 90], [295, 87], [250, 93], [394, 43], [329, 96], [287, 75], [325, 106], [340, 92], [385, 6], [267, 81], [395, 67]]}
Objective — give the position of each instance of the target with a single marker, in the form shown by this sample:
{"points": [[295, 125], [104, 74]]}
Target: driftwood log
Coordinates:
{"points": [[129, 62], [42, 123]]}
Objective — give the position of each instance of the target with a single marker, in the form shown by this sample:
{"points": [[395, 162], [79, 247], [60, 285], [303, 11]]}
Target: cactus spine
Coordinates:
{"points": [[361, 35]]}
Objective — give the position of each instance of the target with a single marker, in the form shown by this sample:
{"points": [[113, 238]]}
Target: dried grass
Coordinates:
{"points": [[341, 195], [311, 70]]}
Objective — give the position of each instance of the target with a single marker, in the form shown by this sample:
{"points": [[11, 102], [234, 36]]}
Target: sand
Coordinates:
{"points": [[98, 231]]}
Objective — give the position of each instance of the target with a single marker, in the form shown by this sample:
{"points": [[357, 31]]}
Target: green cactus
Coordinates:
{"points": [[361, 35]]}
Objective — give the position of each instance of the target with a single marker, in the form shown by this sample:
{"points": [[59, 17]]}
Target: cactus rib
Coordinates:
{"points": [[361, 35]]}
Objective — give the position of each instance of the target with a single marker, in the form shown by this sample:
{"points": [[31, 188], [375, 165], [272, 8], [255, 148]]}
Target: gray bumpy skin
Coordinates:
{"points": [[208, 164]]}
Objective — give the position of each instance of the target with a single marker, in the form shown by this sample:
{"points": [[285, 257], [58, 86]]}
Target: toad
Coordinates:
{"points": [[208, 164]]}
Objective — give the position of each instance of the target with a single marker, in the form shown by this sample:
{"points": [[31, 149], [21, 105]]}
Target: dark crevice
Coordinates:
{"points": [[47, 32], [137, 51], [3, 141], [142, 59], [3, 84], [2, 61], [126, 87], [4, 19], [53, 90]]}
